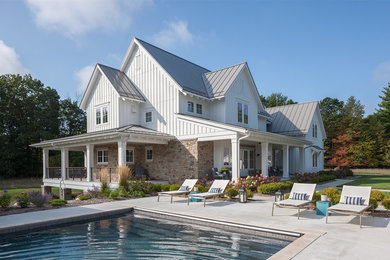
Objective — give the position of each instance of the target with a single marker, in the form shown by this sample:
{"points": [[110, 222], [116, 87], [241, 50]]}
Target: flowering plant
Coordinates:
{"points": [[5, 199], [39, 199], [23, 199], [252, 182]]}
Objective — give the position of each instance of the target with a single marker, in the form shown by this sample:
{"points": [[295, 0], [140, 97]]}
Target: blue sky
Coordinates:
{"points": [[304, 49]]}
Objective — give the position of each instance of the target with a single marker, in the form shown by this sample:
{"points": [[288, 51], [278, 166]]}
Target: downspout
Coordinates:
{"points": [[238, 152]]}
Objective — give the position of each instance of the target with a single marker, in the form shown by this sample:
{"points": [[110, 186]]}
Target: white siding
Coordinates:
{"points": [[190, 128], [158, 89], [183, 106], [103, 94], [129, 112]]}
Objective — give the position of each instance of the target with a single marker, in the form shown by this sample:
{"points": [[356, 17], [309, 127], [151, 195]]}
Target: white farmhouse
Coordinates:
{"points": [[173, 119]]}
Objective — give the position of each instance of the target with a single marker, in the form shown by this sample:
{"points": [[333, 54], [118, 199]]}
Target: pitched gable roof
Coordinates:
{"points": [[292, 119], [121, 83], [218, 82], [187, 74]]}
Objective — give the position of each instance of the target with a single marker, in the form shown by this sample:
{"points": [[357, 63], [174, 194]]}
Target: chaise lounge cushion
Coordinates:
{"points": [[349, 207], [291, 202]]}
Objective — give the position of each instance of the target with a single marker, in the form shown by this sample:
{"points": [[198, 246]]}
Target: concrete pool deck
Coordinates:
{"points": [[340, 239]]}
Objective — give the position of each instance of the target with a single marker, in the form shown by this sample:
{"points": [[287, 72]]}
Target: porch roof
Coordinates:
{"points": [[120, 132]]}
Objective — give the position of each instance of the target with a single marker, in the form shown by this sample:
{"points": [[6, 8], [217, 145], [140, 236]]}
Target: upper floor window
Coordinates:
{"points": [[242, 113], [102, 157], [149, 154], [314, 130], [101, 115], [130, 156], [190, 106], [199, 108], [148, 117], [315, 159]]}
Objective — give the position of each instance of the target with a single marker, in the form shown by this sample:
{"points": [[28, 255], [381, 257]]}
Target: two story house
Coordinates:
{"points": [[178, 120]]}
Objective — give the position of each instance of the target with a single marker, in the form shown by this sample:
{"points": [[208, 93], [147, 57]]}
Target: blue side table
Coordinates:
{"points": [[322, 206], [195, 199]]}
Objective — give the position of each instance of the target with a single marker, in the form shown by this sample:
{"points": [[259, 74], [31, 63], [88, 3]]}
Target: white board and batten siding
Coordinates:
{"points": [[158, 89], [103, 94]]}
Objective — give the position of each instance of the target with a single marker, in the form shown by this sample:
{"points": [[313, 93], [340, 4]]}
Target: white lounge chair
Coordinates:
{"points": [[301, 194], [353, 201], [217, 188], [184, 189]]}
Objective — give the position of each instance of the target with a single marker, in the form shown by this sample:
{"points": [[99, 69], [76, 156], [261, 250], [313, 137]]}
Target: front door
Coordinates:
{"points": [[247, 161]]}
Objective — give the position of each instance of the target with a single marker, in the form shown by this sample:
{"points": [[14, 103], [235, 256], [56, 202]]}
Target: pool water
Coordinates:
{"points": [[137, 237]]}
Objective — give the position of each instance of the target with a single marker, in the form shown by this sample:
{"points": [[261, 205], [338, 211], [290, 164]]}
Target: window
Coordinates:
{"points": [[102, 157], [239, 112], [130, 156], [149, 154], [246, 114], [314, 130], [251, 159], [315, 157], [98, 117], [101, 115], [190, 106], [199, 108], [148, 117]]}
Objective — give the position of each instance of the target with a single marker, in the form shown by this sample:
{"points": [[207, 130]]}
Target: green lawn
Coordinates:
{"points": [[375, 181], [14, 192]]}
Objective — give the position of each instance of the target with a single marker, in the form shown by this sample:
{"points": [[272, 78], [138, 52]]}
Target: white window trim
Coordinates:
{"points": [[146, 153], [130, 149], [97, 157], [243, 104], [100, 108], [151, 121]]}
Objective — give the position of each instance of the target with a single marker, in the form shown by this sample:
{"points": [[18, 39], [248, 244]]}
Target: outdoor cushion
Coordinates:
{"points": [[215, 190], [291, 202], [299, 196], [184, 188], [353, 200], [348, 207]]}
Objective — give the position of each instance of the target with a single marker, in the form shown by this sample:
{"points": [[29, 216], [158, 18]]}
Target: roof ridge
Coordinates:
{"points": [[315, 101], [171, 53], [225, 68]]}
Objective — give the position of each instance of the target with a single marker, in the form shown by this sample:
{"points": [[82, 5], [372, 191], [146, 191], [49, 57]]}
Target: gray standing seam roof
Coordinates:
{"points": [[292, 119], [121, 83], [187, 74]]}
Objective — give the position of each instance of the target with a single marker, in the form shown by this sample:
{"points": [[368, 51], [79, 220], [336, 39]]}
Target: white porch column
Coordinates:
{"points": [[286, 173], [121, 153], [302, 159], [64, 162], [45, 159], [264, 159], [235, 159], [89, 161]]}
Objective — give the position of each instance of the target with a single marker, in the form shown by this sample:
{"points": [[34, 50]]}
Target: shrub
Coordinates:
{"points": [[104, 189], [333, 194], [386, 203], [141, 185], [317, 196], [37, 198], [231, 192], [23, 199], [249, 194], [124, 174], [156, 187], [84, 197], [200, 187], [104, 178], [58, 202], [94, 192], [342, 172], [138, 193], [5, 199], [165, 187], [122, 192], [114, 194], [373, 203], [286, 196], [206, 189], [174, 187], [377, 195]]}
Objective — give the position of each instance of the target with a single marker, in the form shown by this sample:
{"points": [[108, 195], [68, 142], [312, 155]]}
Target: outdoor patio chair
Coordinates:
{"points": [[216, 174], [217, 188], [301, 195], [184, 189], [353, 201]]}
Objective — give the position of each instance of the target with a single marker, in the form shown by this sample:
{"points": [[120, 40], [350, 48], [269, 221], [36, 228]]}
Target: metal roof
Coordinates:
{"points": [[265, 114], [129, 129], [121, 83], [187, 74], [218, 82], [292, 119]]}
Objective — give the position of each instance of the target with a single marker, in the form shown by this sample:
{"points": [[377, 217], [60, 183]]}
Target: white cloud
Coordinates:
{"points": [[83, 76], [75, 17], [176, 33], [9, 61], [382, 72]]}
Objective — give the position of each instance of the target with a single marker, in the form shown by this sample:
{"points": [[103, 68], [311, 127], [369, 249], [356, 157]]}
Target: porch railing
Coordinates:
{"points": [[112, 175], [73, 173], [53, 173]]}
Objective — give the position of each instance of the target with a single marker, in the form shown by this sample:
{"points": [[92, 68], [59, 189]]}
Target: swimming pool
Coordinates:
{"points": [[138, 236]]}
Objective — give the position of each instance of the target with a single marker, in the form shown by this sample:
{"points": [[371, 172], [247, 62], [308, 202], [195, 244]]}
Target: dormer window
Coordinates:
{"points": [[242, 113], [199, 109], [101, 115], [190, 107], [314, 130], [148, 117]]}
